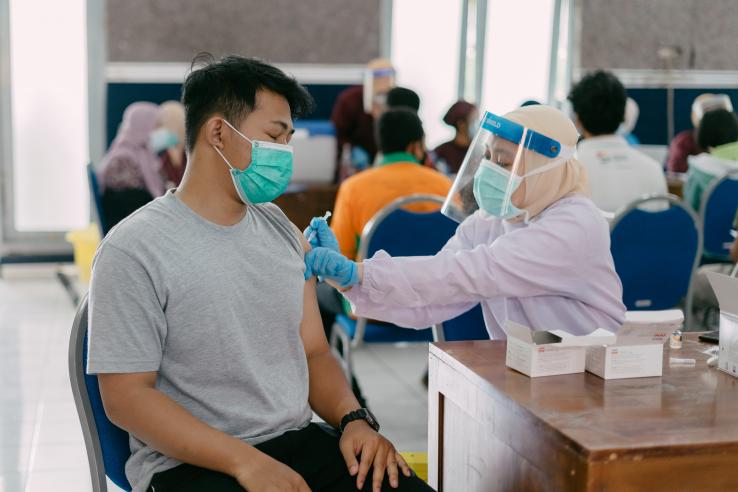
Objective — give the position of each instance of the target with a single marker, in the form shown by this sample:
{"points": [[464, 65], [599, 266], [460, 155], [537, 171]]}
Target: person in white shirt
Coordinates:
{"points": [[618, 173]]}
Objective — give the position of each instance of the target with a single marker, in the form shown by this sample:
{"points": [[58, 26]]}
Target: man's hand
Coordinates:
{"points": [[375, 450], [265, 474]]}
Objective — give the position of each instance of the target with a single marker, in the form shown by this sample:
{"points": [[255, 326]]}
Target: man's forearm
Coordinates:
{"points": [[164, 425], [330, 394]]}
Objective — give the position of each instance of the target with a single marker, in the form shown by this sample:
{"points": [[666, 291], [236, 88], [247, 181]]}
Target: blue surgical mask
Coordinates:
{"points": [[162, 139], [269, 173], [491, 183], [490, 187]]}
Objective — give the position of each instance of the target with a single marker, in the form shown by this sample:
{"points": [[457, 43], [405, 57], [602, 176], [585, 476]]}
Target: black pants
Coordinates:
{"points": [[312, 452]]}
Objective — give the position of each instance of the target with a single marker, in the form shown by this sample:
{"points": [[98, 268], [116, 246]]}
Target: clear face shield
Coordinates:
{"points": [[493, 168]]}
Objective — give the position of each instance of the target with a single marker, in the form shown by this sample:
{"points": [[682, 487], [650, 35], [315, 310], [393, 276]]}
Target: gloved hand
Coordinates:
{"points": [[320, 235], [332, 265]]}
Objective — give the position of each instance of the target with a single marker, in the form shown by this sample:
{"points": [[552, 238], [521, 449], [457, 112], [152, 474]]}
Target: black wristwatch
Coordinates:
{"points": [[360, 414]]}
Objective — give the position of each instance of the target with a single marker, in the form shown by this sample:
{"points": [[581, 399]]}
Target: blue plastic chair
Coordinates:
{"points": [[96, 199], [400, 233], [467, 326], [107, 445], [656, 253], [717, 212]]}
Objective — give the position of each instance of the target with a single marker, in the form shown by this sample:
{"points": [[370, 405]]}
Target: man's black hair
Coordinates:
{"points": [[717, 127], [229, 86], [402, 96], [397, 128], [599, 102]]}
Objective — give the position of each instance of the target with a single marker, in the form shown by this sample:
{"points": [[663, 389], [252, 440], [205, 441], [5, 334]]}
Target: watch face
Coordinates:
{"points": [[369, 417]]}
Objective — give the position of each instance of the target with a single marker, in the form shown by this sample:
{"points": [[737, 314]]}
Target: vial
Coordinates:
{"points": [[675, 341]]}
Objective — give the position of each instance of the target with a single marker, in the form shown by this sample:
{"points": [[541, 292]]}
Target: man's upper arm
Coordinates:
{"points": [[311, 327], [127, 326]]}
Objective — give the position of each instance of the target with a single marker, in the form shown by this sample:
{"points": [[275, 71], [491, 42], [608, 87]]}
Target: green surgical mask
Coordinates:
{"points": [[269, 173]]}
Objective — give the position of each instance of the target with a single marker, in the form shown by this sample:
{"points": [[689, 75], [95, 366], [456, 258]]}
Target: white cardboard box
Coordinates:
{"points": [[638, 350], [548, 353], [726, 290]]}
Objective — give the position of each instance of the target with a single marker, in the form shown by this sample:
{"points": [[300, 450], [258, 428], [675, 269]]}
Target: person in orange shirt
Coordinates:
{"points": [[400, 137], [401, 141]]}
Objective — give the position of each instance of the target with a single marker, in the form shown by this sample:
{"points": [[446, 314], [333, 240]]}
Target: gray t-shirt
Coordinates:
{"points": [[215, 310]]}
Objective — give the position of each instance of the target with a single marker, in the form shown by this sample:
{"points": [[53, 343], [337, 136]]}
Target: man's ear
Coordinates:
{"points": [[213, 131]]}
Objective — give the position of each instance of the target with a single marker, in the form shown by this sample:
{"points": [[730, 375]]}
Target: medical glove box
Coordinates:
{"points": [[548, 353], [638, 350], [726, 290]]}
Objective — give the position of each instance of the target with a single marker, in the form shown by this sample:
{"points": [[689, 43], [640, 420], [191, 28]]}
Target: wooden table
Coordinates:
{"points": [[491, 428], [300, 203]]}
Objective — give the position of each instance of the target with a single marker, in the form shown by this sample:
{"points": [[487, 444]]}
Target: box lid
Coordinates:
{"points": [[643, 334], [667, 317], [726, 291], [556, 337]]}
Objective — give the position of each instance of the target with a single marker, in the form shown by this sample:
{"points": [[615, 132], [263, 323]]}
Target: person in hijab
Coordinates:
{"points": [[130, 174], [173, 157], [543, 261], [462, 116]]}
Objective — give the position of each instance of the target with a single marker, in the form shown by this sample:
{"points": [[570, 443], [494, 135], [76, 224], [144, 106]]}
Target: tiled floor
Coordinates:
{"points": [[41, 446]]}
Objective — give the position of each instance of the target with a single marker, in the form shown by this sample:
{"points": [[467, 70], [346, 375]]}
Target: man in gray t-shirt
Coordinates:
{"points": [[205, 337]]}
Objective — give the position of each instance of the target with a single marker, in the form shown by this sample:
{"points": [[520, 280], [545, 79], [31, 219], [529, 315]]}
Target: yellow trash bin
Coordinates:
{"points": [[419, 463], [85, 242]]}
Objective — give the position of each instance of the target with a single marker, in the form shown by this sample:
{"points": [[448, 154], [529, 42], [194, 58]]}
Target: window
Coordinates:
{"points": [[425, 52], [48, 116], [517, 53]]}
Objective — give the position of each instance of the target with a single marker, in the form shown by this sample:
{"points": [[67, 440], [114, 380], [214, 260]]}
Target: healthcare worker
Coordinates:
{"points": [[537, 251]]}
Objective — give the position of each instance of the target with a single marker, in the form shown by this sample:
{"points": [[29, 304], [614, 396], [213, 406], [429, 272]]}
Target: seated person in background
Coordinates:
{"points": [[358, 107], [400, 136], [618, 174], [718, 133], [630, 119], [402, 97], [205, 337], [129, 175], [463, 117], [685, 142], [173, 157]]}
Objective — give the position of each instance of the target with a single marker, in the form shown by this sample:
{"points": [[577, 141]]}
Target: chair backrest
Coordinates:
{"points": [[656, 253], [467, 326], [96, 199], [717, 213], [403, 233], [107, 445]]}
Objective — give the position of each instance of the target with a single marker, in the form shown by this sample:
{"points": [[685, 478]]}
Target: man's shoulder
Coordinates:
{"points": [[141, 225]]}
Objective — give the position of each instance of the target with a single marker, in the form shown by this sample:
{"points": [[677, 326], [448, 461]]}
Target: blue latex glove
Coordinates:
{"points": [[332, 265], [320, 235]]}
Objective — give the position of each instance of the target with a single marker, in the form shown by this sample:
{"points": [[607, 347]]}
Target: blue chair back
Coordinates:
{"points": [[107, 445], [403, 233], [656, 253], [717, 212], [96, 199], [467, 326]]}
